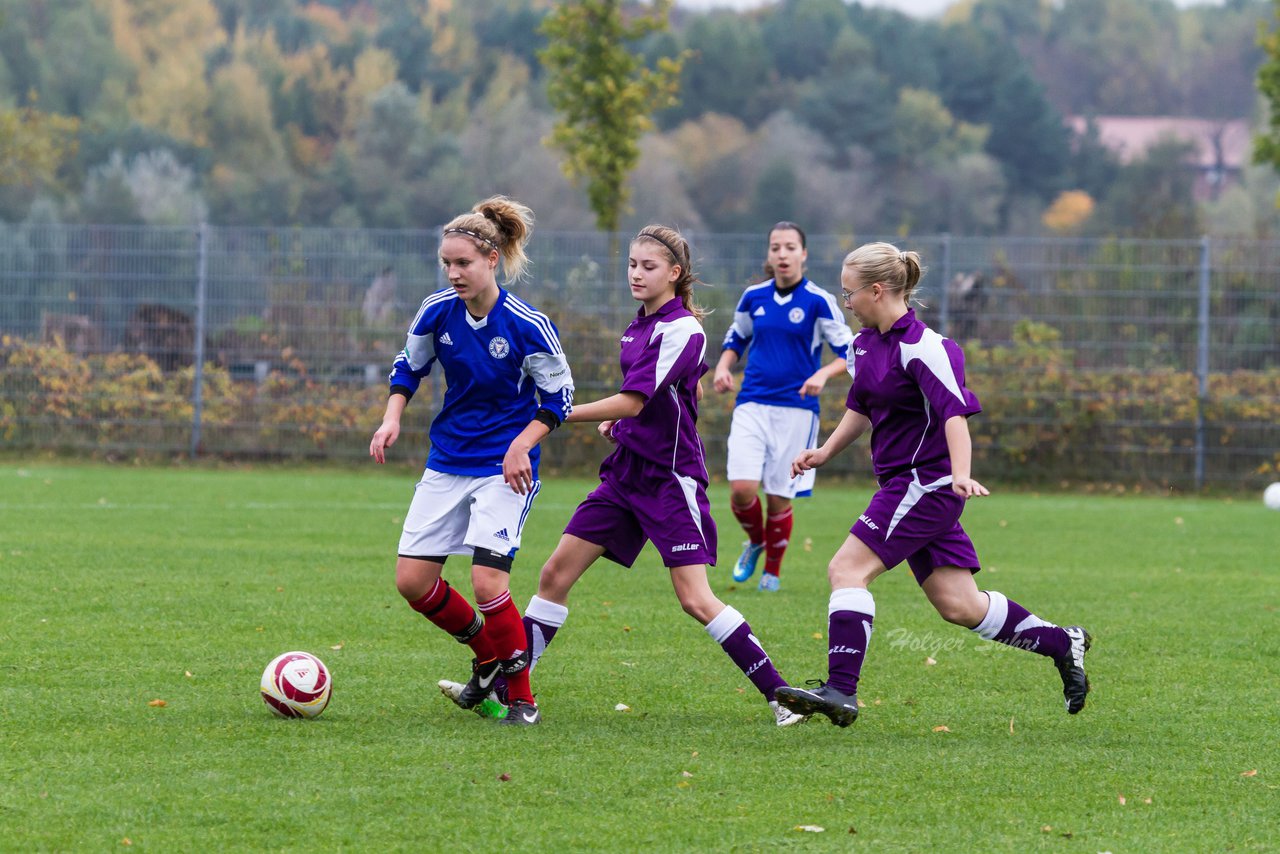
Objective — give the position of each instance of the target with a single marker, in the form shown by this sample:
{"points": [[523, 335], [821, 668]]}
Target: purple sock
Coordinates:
{"points": [[731, 631], [850, 613], [542, 619], [1009, 623]]}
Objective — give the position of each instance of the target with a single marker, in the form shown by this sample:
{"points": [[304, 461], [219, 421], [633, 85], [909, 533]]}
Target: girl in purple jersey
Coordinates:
{"points": [[908, 388], [654, 485]]}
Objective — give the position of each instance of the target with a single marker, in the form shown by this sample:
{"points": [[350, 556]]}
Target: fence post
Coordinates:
{"points": [[197, 391], [944, 300], [1202, 358]]}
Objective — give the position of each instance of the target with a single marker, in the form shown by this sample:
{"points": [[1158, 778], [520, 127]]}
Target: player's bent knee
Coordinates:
{"points": [[960, 612], [700, 608]]}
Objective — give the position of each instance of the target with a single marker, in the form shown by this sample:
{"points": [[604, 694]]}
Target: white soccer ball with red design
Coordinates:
{"points": [[296, 685]]}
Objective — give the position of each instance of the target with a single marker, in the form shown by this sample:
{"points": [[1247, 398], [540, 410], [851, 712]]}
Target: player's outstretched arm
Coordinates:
{"points": [[960, 446], [723, 380], [624, 404], [813, 386], [386, 435], [851, 426], [517, 468]]}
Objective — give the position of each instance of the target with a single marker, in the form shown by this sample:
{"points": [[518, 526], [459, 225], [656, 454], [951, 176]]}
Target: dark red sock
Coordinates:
{"points": [[751, 518], [450, 610], [778, 535], [506, 630]]}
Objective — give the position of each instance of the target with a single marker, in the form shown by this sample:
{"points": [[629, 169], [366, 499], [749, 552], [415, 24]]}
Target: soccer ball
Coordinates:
{"points": [[296, 685], [1271, 496]]}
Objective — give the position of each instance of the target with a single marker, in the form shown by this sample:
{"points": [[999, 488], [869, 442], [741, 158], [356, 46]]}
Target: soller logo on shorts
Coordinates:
{"points": [[499, 347], [796, 315]]}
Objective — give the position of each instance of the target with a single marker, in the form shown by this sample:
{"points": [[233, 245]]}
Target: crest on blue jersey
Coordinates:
{"points": [[796, 315], [499, 347]]}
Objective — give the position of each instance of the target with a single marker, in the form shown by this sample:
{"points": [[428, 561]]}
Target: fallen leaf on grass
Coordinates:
{"points": [[126, 841], [504, 777], [942, 728], [683, 784], [622, 707], [817, 635], [626, 628], [187, 673], [1250, 773], [808, 544], [1047, 828], [694, 755], [1121, 799], [685, 774], [336, 646], [929, 662], [861, 705], [157, 704], [810, 828], [1010, 726]]}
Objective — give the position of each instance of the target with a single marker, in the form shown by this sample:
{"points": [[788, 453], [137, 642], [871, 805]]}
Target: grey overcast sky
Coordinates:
{"points": [[918, 8]]}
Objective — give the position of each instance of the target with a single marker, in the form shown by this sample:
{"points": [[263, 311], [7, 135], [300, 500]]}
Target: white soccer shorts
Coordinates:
{"points": [[453, 514], [763, 441]]}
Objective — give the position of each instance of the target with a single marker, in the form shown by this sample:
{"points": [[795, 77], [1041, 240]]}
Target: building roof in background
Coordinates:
{"points": [[1224, 143]]}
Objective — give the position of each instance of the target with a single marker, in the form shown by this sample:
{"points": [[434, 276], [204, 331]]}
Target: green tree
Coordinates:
{"points": [[1266, 146], [33, 145], [604, 95]]}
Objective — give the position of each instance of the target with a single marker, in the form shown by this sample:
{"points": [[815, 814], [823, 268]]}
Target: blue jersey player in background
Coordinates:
{"points": [[783, 322], [508, 386]]}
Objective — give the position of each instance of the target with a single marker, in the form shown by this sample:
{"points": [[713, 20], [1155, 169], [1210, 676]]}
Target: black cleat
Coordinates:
{"points": [[522, 714], [1075, 684], [842, 709], [480, 683]]}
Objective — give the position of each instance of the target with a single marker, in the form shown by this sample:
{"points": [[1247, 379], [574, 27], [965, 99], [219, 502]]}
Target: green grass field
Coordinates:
{"points": [[126, 585]]}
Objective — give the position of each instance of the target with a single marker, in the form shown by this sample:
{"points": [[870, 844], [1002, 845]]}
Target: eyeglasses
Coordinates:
{"points": [[845, 295]]}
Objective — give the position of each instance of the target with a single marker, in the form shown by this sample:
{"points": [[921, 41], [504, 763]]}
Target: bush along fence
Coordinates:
{"points": [[1153, 363]]}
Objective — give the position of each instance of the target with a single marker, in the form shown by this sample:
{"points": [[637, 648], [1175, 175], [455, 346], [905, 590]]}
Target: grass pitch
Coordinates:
{"points": [[126, 586]]}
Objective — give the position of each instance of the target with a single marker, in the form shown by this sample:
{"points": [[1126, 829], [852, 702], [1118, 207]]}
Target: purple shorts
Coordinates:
{"points": [[638, 501], [919, 523]]}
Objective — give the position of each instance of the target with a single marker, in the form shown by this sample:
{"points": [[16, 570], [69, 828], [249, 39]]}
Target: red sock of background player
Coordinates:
{"points": [[777, 535], [504, 626], [450, 610], [751, 518]]}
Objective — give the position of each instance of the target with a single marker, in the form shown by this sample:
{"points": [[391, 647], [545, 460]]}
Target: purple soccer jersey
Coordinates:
{"points": [[662, 356], [654, 485], [908, 381]]}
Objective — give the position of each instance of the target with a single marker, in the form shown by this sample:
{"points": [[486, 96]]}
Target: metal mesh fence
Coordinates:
{"points": [[1154, 362]]}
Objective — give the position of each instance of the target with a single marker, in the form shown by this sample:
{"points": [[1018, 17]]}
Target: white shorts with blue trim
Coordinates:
{"points": [[453, 514], [764, 440]]}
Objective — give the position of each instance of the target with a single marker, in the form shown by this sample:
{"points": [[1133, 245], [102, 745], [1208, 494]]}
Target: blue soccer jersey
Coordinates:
{"points": [[499, 370], [785, 335]]}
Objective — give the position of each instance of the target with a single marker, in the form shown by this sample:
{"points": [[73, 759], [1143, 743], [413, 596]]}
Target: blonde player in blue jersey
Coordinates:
{"points": [[508, 386], [783, 322]]}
